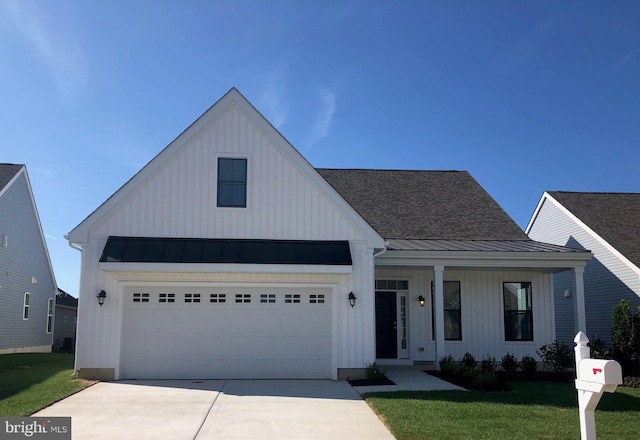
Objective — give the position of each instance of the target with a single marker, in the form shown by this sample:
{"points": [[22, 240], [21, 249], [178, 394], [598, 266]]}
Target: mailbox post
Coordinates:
{"points": [[594, 376]]}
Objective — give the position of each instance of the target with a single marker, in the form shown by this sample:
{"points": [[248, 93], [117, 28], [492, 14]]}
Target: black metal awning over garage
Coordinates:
{"points": [[238, 251]]}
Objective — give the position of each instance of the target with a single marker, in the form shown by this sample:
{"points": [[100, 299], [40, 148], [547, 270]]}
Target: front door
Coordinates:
{"points": [[386, 326]]}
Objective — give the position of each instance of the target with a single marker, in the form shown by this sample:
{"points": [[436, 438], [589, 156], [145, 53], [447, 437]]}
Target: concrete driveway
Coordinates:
{"points": [[219, 409]]}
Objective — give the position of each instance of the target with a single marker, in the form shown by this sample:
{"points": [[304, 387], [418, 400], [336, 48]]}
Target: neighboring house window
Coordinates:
{"points": [[232, 183], [50, 316], [25, 309], [518, 318], [452, 311]]}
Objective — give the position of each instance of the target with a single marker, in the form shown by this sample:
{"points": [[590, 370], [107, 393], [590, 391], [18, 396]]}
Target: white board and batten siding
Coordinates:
{"points": [[482, 311], [607, 277], [175, 196], [179, 199]]}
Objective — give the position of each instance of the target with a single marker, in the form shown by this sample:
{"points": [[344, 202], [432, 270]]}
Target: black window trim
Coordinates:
{"points": [[459, 310], [245, 183], [525, 312]]}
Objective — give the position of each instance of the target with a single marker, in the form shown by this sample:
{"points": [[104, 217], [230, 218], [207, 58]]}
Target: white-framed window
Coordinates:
{"points": [[232, 182], [316, 298], [25, 306], [50, 309]]}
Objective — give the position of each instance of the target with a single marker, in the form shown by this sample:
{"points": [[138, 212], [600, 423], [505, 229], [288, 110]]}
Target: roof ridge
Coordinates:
{"points": [[392, 169], [595, 192]]}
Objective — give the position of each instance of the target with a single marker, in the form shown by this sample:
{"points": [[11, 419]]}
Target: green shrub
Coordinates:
{"points": [[626, 337], [484, 380], [375, 372], [557, 356], [448, 363], [529, 366], [509, 364], [468, 361], [488, 364], [598, 350], [632, 382]]}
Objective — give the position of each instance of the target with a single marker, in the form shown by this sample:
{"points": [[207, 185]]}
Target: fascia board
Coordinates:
{"points": [[40, 230], [535, 212], [234, 268], [594, 234], [483, 259]]}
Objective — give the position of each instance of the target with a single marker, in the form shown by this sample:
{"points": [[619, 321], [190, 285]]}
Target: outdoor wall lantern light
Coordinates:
{"points": [[421, 300], [352, 299], [101, 296]]}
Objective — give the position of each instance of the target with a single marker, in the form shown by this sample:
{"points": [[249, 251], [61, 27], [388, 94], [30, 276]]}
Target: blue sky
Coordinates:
{"points": [[527, 96]]}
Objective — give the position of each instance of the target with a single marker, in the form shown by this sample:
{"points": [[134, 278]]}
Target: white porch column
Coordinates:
{"points": [[438, 311], [580, 309]]}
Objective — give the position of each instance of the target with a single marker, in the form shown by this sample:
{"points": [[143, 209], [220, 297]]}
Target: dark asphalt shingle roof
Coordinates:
{"points": [[613, 216], [7, 172], [424, 205], [64, 299]]}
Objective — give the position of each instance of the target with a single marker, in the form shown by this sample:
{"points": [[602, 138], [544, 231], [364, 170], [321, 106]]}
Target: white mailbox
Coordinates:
{"points": [[594, 377], [600, 371]]}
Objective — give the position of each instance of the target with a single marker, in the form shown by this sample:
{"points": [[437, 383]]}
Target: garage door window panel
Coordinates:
{"points": [[140, 297], [217, 298], [267, 298], [192, 297], [243, 298]]}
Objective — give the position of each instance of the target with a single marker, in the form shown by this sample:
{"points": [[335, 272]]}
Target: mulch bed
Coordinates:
{"points": [[370, 382]]}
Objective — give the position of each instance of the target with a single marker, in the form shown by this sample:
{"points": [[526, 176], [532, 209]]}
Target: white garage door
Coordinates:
{"points": [[232, 333]]}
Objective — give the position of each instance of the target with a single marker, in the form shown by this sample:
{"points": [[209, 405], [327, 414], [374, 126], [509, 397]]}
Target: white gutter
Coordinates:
{"points": [[383, 250], [73, 245]]}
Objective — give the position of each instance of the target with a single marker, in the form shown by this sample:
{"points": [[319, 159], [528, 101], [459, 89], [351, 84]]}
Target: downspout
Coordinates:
{"points": [[382, 251], [75, 370], [73, 245]]}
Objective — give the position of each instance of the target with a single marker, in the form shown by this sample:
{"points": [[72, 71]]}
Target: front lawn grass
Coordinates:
{"points": [[32, 381], [532, 410]]}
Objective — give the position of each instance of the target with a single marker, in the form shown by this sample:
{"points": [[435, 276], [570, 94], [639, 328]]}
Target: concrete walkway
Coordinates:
{"points": [[410, 380], [219, 409]]}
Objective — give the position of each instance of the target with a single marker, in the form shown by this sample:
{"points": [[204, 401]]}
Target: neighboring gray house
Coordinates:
{"points": [[230, 256], [27, 283], [608, 224], [64, 336]]}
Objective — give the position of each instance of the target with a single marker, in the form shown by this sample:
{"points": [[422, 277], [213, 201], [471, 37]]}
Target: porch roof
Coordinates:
{"points": [[479, 246], [482, 254]]}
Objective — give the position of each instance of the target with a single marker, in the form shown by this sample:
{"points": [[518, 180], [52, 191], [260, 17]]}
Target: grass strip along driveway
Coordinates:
{"points": [[532, 410], [32, 381]]}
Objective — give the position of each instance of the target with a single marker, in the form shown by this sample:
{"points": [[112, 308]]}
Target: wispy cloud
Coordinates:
{"points": [[324, 116], [523, 49], [272, 99], [628, 58], [51, 237], [53, 42], [43, 171]]}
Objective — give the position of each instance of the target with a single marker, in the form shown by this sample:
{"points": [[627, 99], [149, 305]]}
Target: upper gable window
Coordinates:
{"points": [[232, 183]]}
